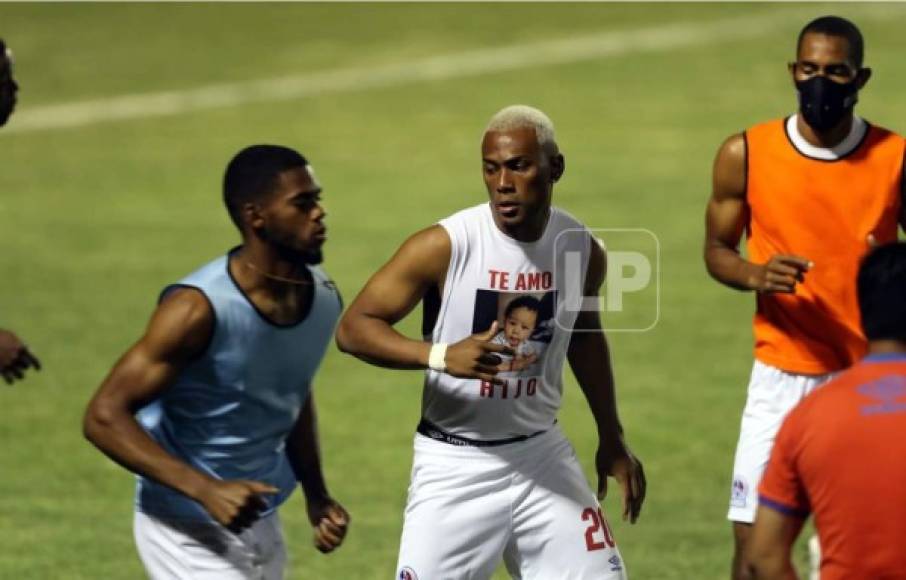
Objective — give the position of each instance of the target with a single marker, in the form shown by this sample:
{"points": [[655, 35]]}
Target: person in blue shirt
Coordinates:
{"points": [[212, 407]]}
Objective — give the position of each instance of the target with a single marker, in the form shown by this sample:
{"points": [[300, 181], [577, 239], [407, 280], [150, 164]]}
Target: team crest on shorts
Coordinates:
{"points": [[615, 564], [407, 573], [740, 494]]}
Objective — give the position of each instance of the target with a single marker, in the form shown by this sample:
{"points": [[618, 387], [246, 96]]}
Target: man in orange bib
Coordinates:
{"points": [[813, 192]]}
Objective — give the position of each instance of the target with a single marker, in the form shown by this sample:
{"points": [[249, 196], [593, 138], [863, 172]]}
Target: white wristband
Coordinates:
{"points": [[437, 357]]}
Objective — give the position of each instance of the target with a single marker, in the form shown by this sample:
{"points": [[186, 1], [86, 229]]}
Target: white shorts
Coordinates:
{"points": [[184, 550], [772, 394], [527, 502]]}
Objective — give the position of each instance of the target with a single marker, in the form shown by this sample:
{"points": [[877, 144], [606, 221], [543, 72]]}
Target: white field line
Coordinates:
{"points": [[438, 68]]}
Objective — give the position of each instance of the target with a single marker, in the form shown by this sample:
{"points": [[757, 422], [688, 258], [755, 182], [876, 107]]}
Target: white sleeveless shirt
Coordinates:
{"points": [[526, 289]]}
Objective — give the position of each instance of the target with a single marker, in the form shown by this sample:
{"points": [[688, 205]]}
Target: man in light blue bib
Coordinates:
{"points": [[212, 407]]}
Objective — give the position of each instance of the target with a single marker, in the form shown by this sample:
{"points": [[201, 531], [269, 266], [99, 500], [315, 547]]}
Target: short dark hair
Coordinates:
{"points": [[529, 302], [837, 26], [882, 293], [253, 174]]}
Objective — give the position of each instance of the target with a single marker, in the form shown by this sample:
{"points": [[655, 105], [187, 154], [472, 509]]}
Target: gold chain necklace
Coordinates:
{"points": [[276, 277]]}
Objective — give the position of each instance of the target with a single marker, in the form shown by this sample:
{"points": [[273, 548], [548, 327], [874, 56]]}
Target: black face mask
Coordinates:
{"points": [[823, 103]]}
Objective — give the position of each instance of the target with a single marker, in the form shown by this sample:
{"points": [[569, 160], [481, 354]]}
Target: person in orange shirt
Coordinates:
{"points": [[812, 192], [841, 453]]}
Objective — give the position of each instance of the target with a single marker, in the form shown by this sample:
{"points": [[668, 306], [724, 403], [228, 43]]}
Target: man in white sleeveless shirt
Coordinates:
{"points": [[493, 477], [221, 382]]}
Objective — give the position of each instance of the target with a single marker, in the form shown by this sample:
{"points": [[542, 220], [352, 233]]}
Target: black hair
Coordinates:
{"points": [[8, 85], [253, 174], [529, 302], [837, 26], [882, 293]]}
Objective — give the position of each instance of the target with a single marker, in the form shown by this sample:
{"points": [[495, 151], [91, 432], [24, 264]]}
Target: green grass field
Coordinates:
{"points": [[96, 218]]}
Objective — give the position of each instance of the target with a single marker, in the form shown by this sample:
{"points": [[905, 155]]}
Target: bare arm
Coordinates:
{"points": [[589, 359], [725, 221], [304, 453], [770, 545], [589, 355], [328, 518], [366, 329], [178, 332]]}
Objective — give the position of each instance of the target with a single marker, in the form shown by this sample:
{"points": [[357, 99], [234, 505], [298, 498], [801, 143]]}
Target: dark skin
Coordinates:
{"points": [[8, 86], [727, 212], [519, 175], [15, 358], [278, 231], [769, 551]]}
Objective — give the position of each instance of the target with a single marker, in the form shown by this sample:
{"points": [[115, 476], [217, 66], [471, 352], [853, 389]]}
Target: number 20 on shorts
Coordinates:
{"points": [[598, 524]]}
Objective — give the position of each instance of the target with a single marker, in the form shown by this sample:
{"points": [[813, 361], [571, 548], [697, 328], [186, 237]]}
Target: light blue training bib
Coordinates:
{"points": [[229, 412]]}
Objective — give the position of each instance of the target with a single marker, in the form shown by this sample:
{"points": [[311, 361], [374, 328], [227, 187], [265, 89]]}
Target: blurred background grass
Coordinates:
{"points": [[95, 219]]}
